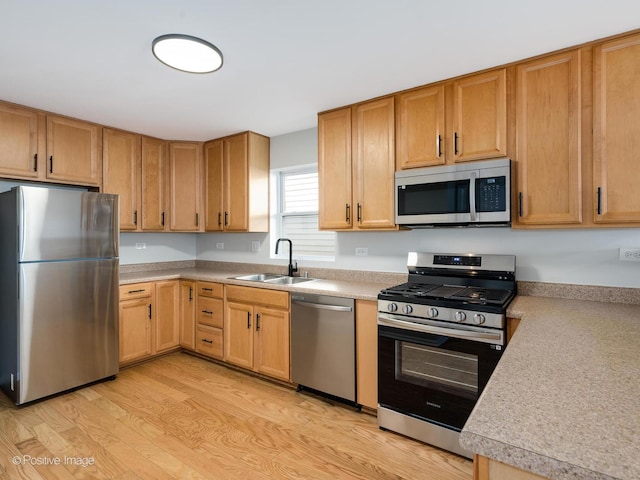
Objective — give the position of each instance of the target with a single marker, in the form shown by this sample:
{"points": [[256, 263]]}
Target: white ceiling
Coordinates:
{"points": [[284, 60]]}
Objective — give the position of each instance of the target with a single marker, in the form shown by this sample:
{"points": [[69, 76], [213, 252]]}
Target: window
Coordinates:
{"points": [[297, 215]]}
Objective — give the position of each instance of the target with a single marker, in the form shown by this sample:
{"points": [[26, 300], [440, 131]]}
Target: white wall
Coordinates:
{"points": [[584, 256], [158, 247]]}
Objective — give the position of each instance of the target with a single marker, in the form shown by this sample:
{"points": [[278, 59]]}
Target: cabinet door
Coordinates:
{"points": [[236, 184], [19, 143], [153, 184], [238, 334], [272, 342], [367, 353], [548, 146], [121, 173], [135, 329], [420, 128], [167, 315], [374, 165], [184, 174], [480, 116], [334, 170], [73, 151], [213, 193], [187, 314], [616, 131]]}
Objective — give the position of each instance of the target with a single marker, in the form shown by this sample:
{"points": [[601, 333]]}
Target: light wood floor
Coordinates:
{"points": [[183, 417]]}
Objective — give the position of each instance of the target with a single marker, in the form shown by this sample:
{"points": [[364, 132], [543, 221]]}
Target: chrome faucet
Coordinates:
{"points": [[292, 268]]}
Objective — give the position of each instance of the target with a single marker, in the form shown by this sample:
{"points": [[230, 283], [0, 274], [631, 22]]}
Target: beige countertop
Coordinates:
{"points": [[341, 288], [564, 401]]}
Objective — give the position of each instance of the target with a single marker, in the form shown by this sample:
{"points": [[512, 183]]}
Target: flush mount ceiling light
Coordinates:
{"points": [[186, 53]]}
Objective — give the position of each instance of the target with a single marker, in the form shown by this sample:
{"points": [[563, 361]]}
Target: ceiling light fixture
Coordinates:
{"points": [[187, 53]]}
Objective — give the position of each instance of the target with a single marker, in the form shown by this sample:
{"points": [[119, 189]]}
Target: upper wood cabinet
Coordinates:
{"points": [[548, 152], [134, 167], [121, 173], [356, 167], [237, 183], [185, 191], [21, 142], [153, 182], [49, 148], [74, 151], [453, 122], [616, 131]]}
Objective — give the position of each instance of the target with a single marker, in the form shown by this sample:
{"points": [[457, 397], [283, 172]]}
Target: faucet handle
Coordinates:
{"points": [[294, 268]]}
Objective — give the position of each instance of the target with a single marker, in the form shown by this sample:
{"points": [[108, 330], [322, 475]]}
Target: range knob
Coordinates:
{"points": [[433, 312], [407, 309], [460, 316], [392, 307], [479, 318]]}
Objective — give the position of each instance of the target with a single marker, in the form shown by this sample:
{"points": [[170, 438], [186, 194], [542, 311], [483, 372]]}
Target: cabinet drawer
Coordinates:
{"points": [[135, 290], [210, 311], [208, 289], [209, 341], [263, 296]]}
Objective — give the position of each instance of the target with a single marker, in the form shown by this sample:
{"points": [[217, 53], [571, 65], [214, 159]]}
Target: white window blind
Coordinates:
{"points": [[298, 215]]}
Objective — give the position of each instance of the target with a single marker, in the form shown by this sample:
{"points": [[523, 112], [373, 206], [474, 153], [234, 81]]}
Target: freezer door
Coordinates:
{"points": [[59, 224], [68, 330]]}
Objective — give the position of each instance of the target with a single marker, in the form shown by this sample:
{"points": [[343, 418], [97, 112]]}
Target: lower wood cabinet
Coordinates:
{"points": [[149, 319], [209, 319], [487, 469], [257, 330], [188, 314], [367, 353]]}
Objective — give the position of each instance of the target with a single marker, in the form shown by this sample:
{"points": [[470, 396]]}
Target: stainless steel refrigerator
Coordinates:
{"points": [[58, 290]]}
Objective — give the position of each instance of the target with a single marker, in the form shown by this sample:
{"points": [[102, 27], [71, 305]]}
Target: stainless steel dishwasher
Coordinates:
{"points": [[323, 344]]}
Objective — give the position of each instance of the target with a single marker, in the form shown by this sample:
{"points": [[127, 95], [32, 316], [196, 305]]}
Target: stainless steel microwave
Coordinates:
{"points": [[468, 194]]}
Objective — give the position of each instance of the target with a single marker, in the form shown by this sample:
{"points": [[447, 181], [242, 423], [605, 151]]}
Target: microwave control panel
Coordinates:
{"points": [[491, 194]]}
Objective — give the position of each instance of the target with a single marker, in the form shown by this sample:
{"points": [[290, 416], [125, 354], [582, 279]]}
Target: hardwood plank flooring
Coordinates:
{"points": [[182, 417]]}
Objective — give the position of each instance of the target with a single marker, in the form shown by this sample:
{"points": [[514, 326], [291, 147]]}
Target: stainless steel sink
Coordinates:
{"points": [[273, 278], [289, 280], [258, 277]]}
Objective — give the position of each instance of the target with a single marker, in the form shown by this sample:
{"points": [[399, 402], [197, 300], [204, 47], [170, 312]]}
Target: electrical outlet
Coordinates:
{"points": [[255, 246], [141, 246], [220, 246], [630, 254], [362, 251]]}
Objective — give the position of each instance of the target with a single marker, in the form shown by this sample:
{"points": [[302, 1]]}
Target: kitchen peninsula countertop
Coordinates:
{"points": [[564, 401]]}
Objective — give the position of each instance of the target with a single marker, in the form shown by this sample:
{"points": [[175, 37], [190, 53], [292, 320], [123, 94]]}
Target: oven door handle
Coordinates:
{"points": [[487, 337]]}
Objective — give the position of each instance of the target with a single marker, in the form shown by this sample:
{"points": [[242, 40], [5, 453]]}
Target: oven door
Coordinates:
{"points": [[434, 373]]}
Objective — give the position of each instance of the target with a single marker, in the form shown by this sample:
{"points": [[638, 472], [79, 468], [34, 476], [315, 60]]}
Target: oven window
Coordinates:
{"points": [[437, 368], [434, 198]]}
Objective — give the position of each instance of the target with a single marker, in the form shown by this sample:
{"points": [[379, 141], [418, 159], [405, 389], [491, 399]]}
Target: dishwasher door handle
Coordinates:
{"points": [[322, 306]]}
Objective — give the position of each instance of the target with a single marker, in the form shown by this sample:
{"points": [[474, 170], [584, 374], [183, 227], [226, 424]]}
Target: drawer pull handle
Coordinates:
{"points": [[207, 289], [137, 291], [208, 312], [206, 340]]}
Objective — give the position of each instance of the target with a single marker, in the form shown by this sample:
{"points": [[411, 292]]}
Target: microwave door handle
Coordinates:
{"points": [[472, 197]]}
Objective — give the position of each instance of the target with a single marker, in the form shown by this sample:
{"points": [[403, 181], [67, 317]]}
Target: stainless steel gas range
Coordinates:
{"points": [[440, 336]]}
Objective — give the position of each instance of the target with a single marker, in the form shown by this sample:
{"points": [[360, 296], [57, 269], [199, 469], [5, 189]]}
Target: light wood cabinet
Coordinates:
{"points": [[185, 186], [616, 131], [257, 330], [452, 122], [167, 316], [74, 151], [209, 319], [121, 173], [356, 152], [22, 146], [153, 184], [487, 469], [136, 334], [548, 153], [237, 183], [149, 319], [188, 314], [367, 353]]}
